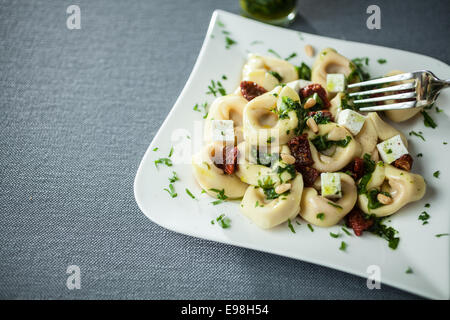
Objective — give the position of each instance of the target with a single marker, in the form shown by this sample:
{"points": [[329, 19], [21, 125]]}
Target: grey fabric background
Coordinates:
{"points": [[77, 112]]}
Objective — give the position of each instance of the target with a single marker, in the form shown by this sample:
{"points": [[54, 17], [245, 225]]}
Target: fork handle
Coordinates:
{"points": [[443, 83]]}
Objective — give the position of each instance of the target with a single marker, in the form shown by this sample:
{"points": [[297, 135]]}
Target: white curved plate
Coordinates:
{"points": [[419, 249]]}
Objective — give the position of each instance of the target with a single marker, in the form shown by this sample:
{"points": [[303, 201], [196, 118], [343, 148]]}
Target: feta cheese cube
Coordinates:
{"points": [[335, 82], [331, 185], [392, 149], [351, 120], [222, 130]]}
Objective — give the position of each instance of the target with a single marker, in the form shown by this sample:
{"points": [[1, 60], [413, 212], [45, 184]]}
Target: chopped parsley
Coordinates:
{"points": [[256, 42], [155, 149], [274, 53], [304, 72], [441, 235], [409, 270], [321, 118], [174, 177], [229, 42], [216, 87], [346, 231], [310, 227], [320, 216], [268, 187], [291, 56], [335, 235], [171, 191], [190, 193], [257, 204], [343, 246], [436, 174], [171, 152], [358, 73], [424, 216], [223, 221], [204, 106], [427, 205], [224, 77], [334, 205], [164, 161], [276, 75], [220, 196], [427, 120], [388, 233], [291, 226], [322, 143], [419, 155], [419, 134], [381, 61]]}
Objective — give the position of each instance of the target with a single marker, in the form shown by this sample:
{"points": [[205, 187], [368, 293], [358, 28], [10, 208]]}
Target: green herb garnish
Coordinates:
{"points": [[346, 231], [223, 221], [436, 174], [291, 226], [427, 120], [291, 56], [409, 270], [417, 134], [229, 42], [171, 191], [190, 193], [343, 246], [304, 72], [381, 61], [165, 161], [220, 196], [276, 75], [335, 235], [310, 227], [424, 216], [334, 205], [320, 216], [274, 53], [174, 177], [441, 235]]}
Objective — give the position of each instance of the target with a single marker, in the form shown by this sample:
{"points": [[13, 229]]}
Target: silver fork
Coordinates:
{"points": [[425, 88]]}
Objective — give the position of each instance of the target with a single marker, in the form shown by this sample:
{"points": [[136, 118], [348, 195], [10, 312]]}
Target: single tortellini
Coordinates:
{"points": [[272, 169], [230, 107], [209, 176], [402, 186], [282, 68], [324, 212], [399, 115], [262, 123], [270, 213], [337, 157], [329, 61]]}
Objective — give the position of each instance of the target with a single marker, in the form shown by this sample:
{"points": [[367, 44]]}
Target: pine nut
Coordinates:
{"points": [[384, 199], [310, 103], [309, 50], [311, 123], [282, 188], [287, 158]]}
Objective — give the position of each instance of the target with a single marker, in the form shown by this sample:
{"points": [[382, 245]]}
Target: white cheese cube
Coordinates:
{"points": [[331, 185], [392, 149], [351, 120], [335, 82], [222, 130]]}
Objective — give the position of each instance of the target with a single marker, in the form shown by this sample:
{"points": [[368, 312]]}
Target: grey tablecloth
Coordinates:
{"points": [[78, 109]]}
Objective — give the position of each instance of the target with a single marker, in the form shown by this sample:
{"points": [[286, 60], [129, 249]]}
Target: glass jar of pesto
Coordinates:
{"points": [[278, 12]]}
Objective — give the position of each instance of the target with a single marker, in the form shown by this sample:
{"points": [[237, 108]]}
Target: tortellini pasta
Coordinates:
{"points": [[341, 156], [209, 176], [230, 107], [270, 213], [262, 125], [404, 187], [324, 212]]}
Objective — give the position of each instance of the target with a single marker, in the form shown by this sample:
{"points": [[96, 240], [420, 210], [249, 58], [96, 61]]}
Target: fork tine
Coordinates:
{"points": [[400, 77], [393, 106], [407, 95], [399, 87]]}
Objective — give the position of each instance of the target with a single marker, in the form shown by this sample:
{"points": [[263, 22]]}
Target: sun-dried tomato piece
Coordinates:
{"points": [[250, 90], [324, 113], [300, 150], [310, 89], [227, 160], [355, 220], [355, 168], [404, 162], [309, 175]]}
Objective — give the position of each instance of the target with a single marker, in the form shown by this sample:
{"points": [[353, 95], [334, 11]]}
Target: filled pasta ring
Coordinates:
{"points": [[341, 156], [209, 176], [403, 187], [250, 172], [324, 212], [329, 61], [262, 125], [270, 213], [230, 107], [284, 69]]}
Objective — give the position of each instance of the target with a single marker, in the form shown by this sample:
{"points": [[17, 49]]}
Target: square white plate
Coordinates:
{"points": [[419, 248]]}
